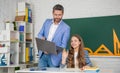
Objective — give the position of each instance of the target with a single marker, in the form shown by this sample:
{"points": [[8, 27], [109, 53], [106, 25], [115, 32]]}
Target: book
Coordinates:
{"points": [[92, 68]]}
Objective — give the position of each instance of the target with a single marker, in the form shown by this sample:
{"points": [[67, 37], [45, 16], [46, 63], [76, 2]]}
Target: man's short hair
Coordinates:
{"points": [[58, 7]]}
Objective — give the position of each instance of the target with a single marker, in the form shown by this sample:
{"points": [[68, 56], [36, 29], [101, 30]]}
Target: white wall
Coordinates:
{"points": [[7, 11], [42, 9], [74, 9]]}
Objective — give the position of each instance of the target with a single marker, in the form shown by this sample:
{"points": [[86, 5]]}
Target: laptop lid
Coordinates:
{"points": [[45, 45]]}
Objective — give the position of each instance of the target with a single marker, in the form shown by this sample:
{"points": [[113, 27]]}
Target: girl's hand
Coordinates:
{"points": [[64, 56], [84, 67]]}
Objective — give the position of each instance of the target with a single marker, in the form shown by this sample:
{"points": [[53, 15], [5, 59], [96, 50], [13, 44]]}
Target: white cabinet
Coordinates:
{"points": [[9, 47], [23, 21], [26, 41], [16, 47]]}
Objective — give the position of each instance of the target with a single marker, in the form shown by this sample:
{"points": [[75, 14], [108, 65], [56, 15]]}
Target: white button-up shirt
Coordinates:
{"points": [[52, 30]]}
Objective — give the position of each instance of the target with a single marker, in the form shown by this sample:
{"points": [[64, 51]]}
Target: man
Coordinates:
{"points": [[57, 31]]}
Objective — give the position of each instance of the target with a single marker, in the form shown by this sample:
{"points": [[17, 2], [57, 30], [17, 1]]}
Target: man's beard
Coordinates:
{"points": [[57, 20]]}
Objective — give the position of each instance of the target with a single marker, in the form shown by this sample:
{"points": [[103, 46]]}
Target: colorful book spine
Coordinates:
{"points": [[27, 54], [31, 54], [26, 14], [29, 15]]}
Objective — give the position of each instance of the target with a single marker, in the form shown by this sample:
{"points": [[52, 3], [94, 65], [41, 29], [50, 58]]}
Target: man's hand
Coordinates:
{"points": [[43, 38], [45, 52]]}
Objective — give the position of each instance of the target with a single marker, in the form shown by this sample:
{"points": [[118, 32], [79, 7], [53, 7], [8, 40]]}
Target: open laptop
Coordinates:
{"points": [[47, 46]]}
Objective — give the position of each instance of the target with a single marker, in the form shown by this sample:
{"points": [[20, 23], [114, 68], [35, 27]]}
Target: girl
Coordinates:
{"points": [[77, 57]]}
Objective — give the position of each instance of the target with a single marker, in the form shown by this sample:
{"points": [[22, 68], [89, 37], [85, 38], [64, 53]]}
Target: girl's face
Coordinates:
{"points": [[75, 42]]}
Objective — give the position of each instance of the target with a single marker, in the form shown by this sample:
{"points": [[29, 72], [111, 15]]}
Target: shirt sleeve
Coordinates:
{"points": [[88, 62]]}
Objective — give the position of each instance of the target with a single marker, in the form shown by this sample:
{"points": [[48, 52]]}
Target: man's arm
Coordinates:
{"points": [[41, 36], [42, 32], [65, 38]]}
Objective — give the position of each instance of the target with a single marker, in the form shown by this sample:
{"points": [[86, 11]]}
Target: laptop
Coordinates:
{"points": [[48, 46]]}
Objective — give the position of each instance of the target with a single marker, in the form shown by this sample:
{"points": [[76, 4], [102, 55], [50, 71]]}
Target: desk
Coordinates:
{"points": [[54, 70], [11, 68]]}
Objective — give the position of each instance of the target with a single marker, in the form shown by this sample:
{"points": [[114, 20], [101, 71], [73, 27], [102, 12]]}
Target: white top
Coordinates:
{"points": [[75, 59], [52, 30]]}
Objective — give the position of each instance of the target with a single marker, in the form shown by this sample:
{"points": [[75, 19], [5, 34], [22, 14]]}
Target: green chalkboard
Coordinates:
{"points": [[96, 30]]}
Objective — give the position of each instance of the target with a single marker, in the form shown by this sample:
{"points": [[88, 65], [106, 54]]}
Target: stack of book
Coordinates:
{"points": [[92, 70]]}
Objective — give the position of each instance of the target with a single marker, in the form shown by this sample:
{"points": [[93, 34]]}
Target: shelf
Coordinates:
{"points": [[11, 41], [15, 40], [22, 42], [18, 47], [14, 31], [21, 31], [23, 22], [29, 42], [4, 41], [29, 39], [28, 32], [13, 65]]}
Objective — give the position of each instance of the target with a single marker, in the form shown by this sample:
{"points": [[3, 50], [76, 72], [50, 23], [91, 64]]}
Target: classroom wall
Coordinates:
{"points": [[7, 11], [42, 9], [74, 9]]}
